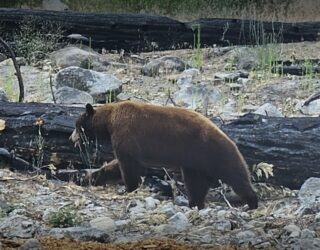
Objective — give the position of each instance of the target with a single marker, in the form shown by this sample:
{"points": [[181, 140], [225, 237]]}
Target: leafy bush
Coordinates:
{"points": [[64, 217], [36, 38]]}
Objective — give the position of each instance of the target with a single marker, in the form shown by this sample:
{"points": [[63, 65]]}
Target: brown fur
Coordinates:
{"points": [[144, 134]]}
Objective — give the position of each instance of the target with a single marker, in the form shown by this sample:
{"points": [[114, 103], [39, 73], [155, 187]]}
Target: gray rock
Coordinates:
{"points": [[245, 237], [195, 96], [36, 83], [313, 108], [105, 224], [228, 110], [223, 225], [190, 72], [308, 195], [151, 203], [317, 217], [227, 76], [18, 211], [3, 95], [165, 229], [245, 58], [138, 210], [179, 221], [95, 83], [243, 81], [205, 212], [18, 226], [166, 64], [284, 89], [74, 56], [184, 80], [31, 244], [125, 96], [78, 233], [205, 234], [235, 86], [121, 224], [310, 244], [187, 76], [307, 234], [168, 210], [181, 200], [292, 231], [56, 5], [67, 95], [268, 109]]}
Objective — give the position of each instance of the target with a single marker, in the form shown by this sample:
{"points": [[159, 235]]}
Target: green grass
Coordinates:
{"points": [[307, 83], [9, 88], [64, 217], [197, 58], [36, 38]]}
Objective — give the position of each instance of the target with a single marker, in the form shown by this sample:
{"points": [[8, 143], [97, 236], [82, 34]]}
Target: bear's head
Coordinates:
{"points": [[84, 126]]}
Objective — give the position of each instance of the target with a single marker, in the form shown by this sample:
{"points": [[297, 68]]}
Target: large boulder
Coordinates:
{"points": [[67, 95], [98, 85], [81, 57], [36, 82], [165, 64]]}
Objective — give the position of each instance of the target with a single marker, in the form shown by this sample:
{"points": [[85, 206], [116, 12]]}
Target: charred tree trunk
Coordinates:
{"points": [[291, 144], [21, 134], [137, 32]]}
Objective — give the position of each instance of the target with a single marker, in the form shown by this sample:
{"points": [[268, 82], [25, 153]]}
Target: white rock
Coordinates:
{"points": [[293, 231], [180, 221], [308, 195], [74, 56], [181, 200], [313, 108], [151, 203], [223, 225], [246, 236], [95, 83], [268, 109], [103, 223], [67, 95]]}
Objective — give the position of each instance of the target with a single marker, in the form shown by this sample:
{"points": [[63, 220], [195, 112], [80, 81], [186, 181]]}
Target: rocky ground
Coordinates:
{"points": [[35, 212], [225, 82]]}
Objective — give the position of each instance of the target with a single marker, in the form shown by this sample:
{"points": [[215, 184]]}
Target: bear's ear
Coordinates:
{"points": [[89, 109]]}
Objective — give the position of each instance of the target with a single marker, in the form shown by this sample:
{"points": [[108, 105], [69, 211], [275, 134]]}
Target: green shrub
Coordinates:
{"points": [[36, 38], [64, 217]]}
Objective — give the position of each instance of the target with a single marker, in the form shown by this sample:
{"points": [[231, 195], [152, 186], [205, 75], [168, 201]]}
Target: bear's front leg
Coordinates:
{"points": [[197, 185], [130, 172]]}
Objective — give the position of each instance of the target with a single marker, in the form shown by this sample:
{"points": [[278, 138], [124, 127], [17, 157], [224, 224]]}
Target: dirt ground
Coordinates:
{"points": [[159, 244]]}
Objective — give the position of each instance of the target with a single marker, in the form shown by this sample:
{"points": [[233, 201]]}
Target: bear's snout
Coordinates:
{"points": [[75, 138]]}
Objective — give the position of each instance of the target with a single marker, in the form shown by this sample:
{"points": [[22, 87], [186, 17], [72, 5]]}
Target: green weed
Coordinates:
{"points": [[9, 88], [64, 217], [307, 83], [197, 58], [36, 38]]}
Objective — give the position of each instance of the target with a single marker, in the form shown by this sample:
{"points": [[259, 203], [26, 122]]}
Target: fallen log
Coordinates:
{"points": [[140, 32], [290, 144], [297, 67]]}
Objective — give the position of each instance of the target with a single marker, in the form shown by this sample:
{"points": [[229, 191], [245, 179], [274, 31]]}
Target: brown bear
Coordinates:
{"points": [[145, 134]]}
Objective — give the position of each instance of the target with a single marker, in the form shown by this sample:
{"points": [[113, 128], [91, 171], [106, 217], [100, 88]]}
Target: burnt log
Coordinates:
{"points": [[40, 132], [140, 32], [290, 144], [297, 67]]}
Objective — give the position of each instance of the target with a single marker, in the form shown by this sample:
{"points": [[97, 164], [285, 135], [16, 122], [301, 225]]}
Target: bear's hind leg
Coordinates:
{"points": [[197, 185], [130, 173]]}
